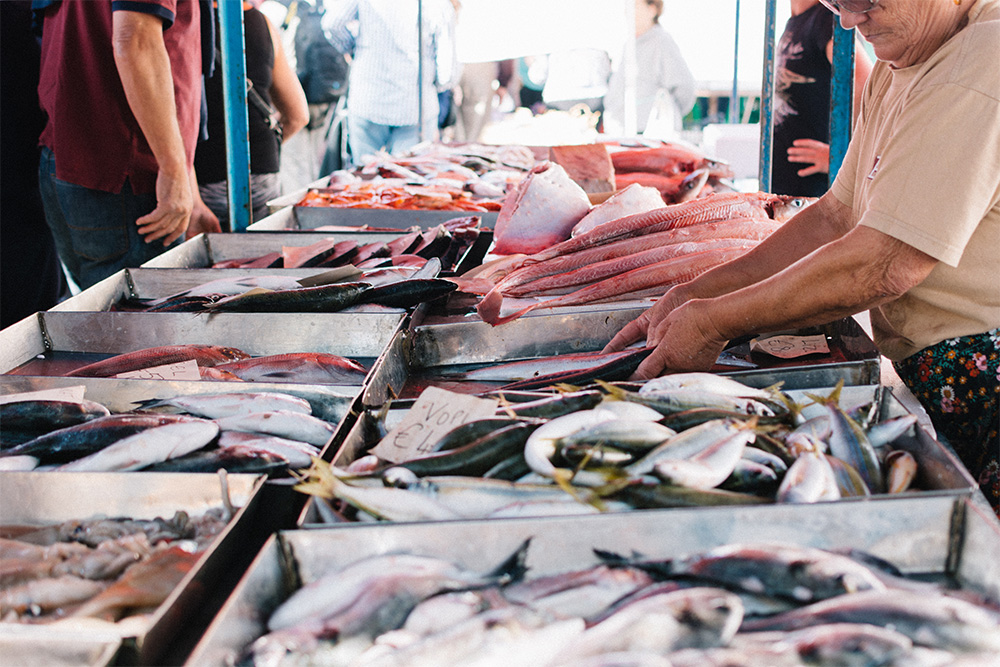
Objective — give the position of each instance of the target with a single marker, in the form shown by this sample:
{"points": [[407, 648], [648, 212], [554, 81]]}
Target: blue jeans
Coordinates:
{"points": [[367, 138], [94, 231]]}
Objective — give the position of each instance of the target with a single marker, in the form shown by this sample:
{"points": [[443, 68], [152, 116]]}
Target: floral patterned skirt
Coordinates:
{"points": [[958, 382]]}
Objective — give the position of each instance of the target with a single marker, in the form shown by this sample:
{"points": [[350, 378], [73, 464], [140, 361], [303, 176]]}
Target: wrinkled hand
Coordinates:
{"points": [[203, 221], [648, 321], [811, 152], [683, 341], [174, 202]]}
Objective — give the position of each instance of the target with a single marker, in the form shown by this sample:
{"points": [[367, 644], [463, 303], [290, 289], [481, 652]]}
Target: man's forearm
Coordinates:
{"points": [[144, 68]]}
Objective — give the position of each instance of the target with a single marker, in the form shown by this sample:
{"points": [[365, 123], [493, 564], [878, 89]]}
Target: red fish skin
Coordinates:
{"points": [[752, 229], [591, 273], [667, 273], [327, 367], [666, 159], [204, 355], [712, 208]]}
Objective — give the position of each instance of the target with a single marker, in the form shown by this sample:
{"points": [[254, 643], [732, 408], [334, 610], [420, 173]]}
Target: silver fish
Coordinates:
{"points": [[217, 406], [282, 423], [809, 479], [151, 446]]}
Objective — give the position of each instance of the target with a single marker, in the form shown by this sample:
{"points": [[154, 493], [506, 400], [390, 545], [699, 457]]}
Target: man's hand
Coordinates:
{"points": [[685, 340], [648, 321], [169, 220], [814, 153]]}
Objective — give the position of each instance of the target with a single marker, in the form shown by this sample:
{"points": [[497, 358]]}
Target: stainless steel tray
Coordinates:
{"points": [[361, 336], [430, 347], [204, 250], [39, 499], [330, 402], [928, 538], [941, 475], [158, 283], [311, 217]]}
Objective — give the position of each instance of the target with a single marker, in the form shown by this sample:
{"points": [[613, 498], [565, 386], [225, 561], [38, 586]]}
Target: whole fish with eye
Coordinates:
{"points": [[153, 445], [204, 355], [298, 367], [73, 442], [21, 421]]}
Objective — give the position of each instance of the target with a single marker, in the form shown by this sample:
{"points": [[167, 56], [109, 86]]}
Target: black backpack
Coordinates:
{"points": [[322, 69]]}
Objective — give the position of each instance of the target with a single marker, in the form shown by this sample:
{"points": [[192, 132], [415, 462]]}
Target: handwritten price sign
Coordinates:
{"points": [[181, 371], [433, 414], [790, 347]]}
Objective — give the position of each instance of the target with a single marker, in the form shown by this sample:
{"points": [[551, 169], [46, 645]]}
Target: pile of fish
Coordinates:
{"points": [[440, 178], [395, 287], [106, 569], [447, 242], [682, 440], [253, 432], [632, 257], [678, 173], [752, 605]]}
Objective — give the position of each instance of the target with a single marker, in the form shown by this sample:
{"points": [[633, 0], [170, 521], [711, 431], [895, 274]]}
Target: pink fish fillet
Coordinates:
{"points": [[661, 274], [752, 229], [631, 200], [540, 211], [592, 273], [706, 209]]}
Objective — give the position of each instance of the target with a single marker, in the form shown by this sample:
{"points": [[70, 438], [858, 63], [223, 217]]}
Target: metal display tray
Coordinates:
{"points": [[360, 336], [158, 283], [204, 250], [941, 475], [465, 344], [311, 217], [952, 539], [42, 499]]}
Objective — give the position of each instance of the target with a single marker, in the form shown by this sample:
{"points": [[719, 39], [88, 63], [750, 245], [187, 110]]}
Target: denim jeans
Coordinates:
{"points": [[367, 138], [94, 231]]}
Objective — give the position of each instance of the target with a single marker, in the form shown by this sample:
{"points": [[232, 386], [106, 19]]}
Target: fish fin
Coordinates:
{"points": [[615, 392], [489, 306], [514, 567]]}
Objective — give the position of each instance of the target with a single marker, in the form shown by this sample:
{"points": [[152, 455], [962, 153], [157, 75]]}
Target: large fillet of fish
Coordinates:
{"points": [[540, 212], [631, 200]]}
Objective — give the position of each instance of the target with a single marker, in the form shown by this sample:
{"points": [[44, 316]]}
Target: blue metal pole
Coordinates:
{"points": [[767, 100], [234, 96], [841, 96], [734, 99]]}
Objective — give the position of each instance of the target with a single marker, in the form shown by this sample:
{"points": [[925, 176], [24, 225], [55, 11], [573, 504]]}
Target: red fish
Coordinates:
{"points": [[660, 276], [204, 355], [300, 367]]}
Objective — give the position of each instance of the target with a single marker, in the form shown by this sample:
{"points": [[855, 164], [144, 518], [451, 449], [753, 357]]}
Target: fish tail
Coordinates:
{"points": [[489, 309]]}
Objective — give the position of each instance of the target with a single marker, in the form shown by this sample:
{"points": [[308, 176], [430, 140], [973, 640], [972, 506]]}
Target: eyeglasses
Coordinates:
{"points": [[852, 6]]}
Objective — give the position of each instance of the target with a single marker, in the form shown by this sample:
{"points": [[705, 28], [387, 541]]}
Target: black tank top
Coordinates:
{"points": [[210, 158], [802, 98]]}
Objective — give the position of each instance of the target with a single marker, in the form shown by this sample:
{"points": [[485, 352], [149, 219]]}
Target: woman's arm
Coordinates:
{"points": [[286, 91]]}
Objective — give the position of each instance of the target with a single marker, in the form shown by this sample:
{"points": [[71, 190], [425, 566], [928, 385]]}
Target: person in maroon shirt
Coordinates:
{"points": [[121, 86]]}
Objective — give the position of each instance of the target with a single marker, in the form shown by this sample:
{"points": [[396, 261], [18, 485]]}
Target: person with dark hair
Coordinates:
{"points": [[802, 100], [278, 111], [121, 84]]}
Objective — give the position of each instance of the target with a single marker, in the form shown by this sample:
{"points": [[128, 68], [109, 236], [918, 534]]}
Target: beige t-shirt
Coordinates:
{"points": [[924, 167]]}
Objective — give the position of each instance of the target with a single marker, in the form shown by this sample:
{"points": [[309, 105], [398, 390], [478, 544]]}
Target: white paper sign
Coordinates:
{"points": [[72, 394], [790, 347], [433, 414], [182, 370]]}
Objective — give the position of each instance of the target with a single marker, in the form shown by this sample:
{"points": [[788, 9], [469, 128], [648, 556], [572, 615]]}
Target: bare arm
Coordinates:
{"points": [[286, 91], [144, 67], [863, 269], [815, 225]]}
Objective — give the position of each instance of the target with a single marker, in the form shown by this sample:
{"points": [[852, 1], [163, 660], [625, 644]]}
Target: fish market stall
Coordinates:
{"points": [[943, 545], [169, 510], [465, 479], [440, 350]]}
